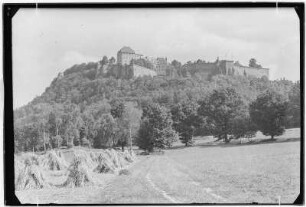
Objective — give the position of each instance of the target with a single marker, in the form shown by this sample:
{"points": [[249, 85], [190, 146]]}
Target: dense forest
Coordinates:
{"points": [[89, 106]]}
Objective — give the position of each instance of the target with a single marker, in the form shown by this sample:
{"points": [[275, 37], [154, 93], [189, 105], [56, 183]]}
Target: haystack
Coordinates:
{"points": [[78, 175], [31, 178], [52, 161], [104, 168], [31, 159], [18, 167], [105, 165], [115, 158], [94, 156], [128, 156], [86, 158], [132, 153], [121, 158]]}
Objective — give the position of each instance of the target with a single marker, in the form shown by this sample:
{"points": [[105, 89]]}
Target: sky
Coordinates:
{"points": [[48, 41]]}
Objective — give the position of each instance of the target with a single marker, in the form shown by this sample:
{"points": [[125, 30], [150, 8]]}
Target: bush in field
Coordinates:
{"points": [[156, 128], [268, 112], [185, 120], [220, 110]]}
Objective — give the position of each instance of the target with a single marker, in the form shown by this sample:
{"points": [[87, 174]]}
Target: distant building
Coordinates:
{"points": [[152, 66], [228, 67], [125, 55], [161, 66]]}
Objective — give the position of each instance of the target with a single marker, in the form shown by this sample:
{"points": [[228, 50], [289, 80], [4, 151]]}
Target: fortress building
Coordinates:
{"points": [[228, 67], [125, 55], [161, 66], [135, 65]]}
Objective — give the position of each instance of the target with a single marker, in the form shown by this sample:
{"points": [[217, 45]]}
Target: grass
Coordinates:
{"points": [[209, 172], [249, 173]]}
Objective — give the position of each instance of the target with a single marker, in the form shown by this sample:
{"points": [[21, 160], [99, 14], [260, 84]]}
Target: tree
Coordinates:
{"points": [[128, 125], [219, 110], [58, 140], [112, 60], [294, 109], [243, 126], [176, 64], [253, 63], [78, 126], [54, 125], [105, 132], [268, 112], [42, 123], [185, 120], [156, 128], [144, 139], [89, 129], [117, 108], [83, 135], [71, 134], [33, 140], [104, 61], [19, 139], [58, 123]]}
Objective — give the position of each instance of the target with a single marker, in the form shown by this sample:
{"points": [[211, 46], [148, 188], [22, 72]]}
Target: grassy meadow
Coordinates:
{"points": [[243, 171], [265, 173]]}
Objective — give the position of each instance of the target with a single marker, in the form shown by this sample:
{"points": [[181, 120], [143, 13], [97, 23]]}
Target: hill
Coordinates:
{"points": [[71, 107]]}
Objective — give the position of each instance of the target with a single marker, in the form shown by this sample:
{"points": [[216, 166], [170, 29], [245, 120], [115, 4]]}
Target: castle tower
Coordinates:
{"points": [[125, 55]]}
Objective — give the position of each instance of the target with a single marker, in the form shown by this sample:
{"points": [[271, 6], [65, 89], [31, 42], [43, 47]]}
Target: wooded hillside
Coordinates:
{"points": [[85, 102]]}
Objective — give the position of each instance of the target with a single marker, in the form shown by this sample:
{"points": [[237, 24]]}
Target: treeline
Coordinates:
{"points": [[102, 125], [223, 113], [85, 109]]}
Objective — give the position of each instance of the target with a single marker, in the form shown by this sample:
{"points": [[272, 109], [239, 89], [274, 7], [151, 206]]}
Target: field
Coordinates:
{"points": [[209, 172]]}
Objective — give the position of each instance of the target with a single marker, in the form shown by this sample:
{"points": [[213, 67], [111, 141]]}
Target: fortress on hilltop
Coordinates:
{"points": [[125, 55], [137, 65]]}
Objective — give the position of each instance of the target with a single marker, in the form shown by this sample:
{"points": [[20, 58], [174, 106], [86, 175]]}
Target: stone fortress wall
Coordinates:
{"points": [[139, 71], [231, 68], [160, 66], [125, 55]]}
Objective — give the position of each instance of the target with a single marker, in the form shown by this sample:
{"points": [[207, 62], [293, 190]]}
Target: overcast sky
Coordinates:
{"points": [[48, 41]]}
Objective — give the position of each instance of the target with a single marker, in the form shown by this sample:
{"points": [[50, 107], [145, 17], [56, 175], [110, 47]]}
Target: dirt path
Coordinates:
{"points": [[156, 179], [133, 188]]}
